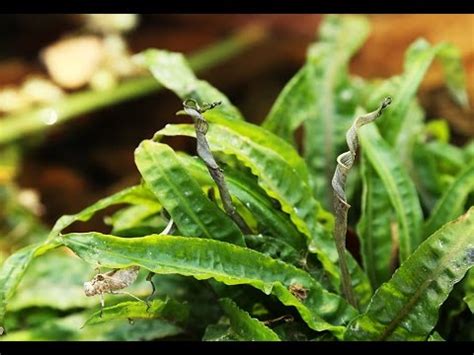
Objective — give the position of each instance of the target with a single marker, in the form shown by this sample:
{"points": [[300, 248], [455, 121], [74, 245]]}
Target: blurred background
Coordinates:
{"points": [[61, 167]]}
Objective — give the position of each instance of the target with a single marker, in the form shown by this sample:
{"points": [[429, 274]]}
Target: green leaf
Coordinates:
{"points": [[227, 263], [275, 248], [406, 307], [294, 105], [339, 38], [374, 226], [246, 189], [400, 188], [173, 71], [134, 195], [452, 202], [449, 158], [435, 336], [469, 290], [69, 328], [244, 325], [418, 59], [167, 309], [193, 213], [426, 175], [260, 137], [220, 332], [137, 221], [47, 285], [13, 270]]}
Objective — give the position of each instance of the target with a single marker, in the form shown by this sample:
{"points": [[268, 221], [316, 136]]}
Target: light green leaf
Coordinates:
{"points": [[193, 213], [418, 59], [260, 137], [294, 105], [47, 285], [435, 336], [374, 226], [166, 309], [69, 329], [406, 307], [399, 186], [173, 71], [133, 195], [137, 221], [227, 263], [244, 325], [451, 204], [13, 270]]}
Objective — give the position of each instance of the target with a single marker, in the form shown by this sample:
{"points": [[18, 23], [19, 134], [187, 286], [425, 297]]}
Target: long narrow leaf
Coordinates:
{"points": [[400, 188], [406, 307], [167, 309], [173, 71], [418, 59], [294, 105], [181, 196], [227, 263], [374, 226], [452, 202], [339, 38], [13, 270]]}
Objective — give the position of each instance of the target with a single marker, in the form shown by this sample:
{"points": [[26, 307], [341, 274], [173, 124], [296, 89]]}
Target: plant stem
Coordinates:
{"points": [[341, 207], [192, 109], [39, 119]]}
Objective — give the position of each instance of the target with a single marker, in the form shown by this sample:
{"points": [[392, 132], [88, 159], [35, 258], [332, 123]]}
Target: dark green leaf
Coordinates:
{"points": [[244, 325], [406, 307], [220, 332], [374, 226], [452, 202], [167, 309]]}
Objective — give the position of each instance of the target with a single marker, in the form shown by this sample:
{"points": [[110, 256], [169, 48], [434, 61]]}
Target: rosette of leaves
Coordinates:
{"points": [[282, 281]]}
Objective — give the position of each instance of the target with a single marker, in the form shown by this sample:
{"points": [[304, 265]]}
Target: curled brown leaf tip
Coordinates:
{"points": [[341, 206], [193, 109]]}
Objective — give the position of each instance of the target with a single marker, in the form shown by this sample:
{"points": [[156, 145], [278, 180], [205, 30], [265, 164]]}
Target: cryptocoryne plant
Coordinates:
{"points": [[251, 248]]}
